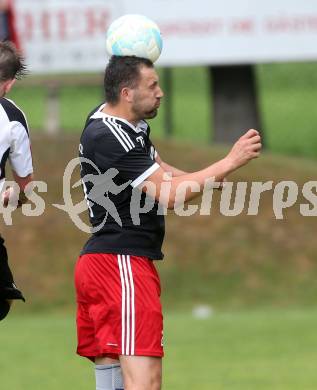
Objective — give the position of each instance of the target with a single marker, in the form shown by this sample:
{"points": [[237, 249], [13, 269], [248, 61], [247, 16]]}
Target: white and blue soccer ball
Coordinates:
{"points": [[134, 35]]}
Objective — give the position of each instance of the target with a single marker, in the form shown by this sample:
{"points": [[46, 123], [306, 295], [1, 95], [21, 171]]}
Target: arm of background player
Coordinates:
{"points": [[22, 183], [20, 158], [168, 168], [245, 149]]}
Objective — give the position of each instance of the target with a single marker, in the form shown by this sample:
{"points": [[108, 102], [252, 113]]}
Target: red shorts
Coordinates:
{"points": [[118, 306]]}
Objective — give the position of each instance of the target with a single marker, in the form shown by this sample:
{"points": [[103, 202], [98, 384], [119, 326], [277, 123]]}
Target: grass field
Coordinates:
{"points": [[287, 95], [267, 349]]}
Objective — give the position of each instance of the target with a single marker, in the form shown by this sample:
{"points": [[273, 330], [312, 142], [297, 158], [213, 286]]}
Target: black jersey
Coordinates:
{"points": [[115, 158]]}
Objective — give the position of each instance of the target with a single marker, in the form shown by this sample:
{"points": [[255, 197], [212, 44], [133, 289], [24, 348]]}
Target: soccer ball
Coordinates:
{"points": [[134, 35]]}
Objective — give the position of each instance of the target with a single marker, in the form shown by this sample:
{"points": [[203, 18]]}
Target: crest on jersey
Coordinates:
{"points": [[140, 139]]}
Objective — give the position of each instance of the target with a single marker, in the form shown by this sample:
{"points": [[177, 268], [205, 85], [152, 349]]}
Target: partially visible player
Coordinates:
{"points": [[119, 317], [15, 148]]}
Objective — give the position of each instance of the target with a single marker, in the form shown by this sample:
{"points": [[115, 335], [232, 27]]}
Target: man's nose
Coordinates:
{"points": [[160, 93]]}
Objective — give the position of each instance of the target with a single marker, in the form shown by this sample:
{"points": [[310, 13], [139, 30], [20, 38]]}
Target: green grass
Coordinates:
{"points": [[34, 105], [75, 105], [266, 349], [287, 95]]}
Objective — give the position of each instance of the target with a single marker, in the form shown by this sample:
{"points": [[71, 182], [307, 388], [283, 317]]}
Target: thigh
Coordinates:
{"points": [[141, 372]]}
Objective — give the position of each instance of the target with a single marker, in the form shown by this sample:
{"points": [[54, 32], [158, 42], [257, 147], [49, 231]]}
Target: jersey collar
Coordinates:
{"points": [[142, 126]]}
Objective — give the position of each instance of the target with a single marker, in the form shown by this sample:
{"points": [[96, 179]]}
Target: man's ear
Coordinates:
{"points": [[127, 94], [8, 85]]}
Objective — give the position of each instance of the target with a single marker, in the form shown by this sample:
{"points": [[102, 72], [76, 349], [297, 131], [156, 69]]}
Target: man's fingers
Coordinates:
{"points": [[250, 133], [5, 198], [256, 139], [257, 147], [246, 148]]}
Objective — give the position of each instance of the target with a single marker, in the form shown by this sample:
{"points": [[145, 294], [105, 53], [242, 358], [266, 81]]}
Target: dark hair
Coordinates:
{"points": [[11, 62], [121, 72]]}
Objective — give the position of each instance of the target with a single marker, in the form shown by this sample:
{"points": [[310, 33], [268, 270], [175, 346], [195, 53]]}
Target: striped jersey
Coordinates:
{"points": [[14, 140], [115, 158]]}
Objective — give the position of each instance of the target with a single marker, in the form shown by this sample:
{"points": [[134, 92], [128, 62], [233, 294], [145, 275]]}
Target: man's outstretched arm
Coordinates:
{"points": [[244, 150], [169, 168]]}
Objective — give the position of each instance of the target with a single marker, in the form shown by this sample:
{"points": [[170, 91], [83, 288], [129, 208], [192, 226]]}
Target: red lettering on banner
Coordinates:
{"points": [[192, 27], [26, 25], [97, 21], [62, 25], [291, 24], [45, 23], [242, 26]]}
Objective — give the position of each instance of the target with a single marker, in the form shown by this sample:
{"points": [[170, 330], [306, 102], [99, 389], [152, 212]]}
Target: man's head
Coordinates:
{"points": [[133, 82], [12, 66]]}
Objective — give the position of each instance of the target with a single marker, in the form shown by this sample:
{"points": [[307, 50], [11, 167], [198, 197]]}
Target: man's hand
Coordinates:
{"points": [[10, 196], [245, 149], [13, 197], [7, 196]]}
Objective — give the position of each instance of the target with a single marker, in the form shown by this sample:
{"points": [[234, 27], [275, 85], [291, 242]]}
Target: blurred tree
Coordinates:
{"points": [[235, 103]]}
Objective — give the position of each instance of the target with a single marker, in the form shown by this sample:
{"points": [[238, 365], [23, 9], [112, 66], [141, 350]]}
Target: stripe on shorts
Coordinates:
{"points": [[128, 305]]}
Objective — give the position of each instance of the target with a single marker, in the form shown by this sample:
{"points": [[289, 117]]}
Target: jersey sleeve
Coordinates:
{"points": [[133, 160], [20, 156], [137, 166]]}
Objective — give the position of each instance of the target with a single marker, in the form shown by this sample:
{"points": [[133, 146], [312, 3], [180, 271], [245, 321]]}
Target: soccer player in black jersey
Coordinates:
{"points": [[119, 318], [15, 148]]}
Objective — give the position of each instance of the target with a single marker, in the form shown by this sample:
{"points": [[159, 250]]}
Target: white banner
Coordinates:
{"points": [[69, 35], [65, 35]]}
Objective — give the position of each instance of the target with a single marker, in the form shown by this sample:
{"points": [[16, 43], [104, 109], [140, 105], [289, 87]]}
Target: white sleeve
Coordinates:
{"points": [[20, 156]]}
